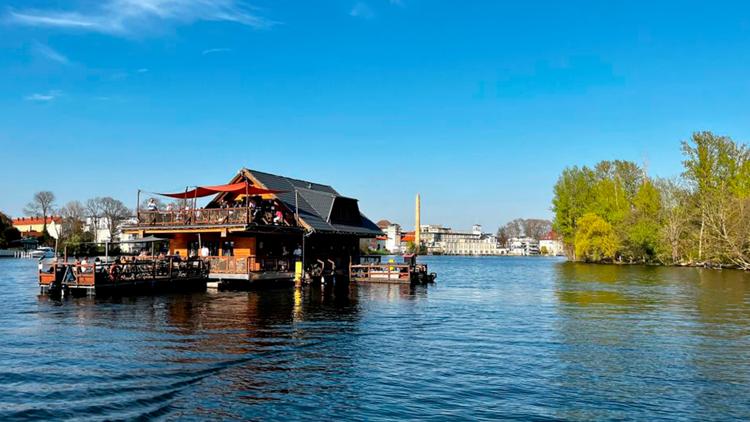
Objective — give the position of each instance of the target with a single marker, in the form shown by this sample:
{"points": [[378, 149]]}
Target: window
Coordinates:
{"points": [[227, 248]]}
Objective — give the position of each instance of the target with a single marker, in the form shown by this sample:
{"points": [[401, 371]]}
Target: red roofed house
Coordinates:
{"points": [[550, 244], [33, 226]]}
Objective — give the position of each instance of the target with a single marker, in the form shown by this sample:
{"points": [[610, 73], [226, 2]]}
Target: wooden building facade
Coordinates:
{"points": [[259, 224]]}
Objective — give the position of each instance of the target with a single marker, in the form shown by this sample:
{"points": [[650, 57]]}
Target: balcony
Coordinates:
{"points": [[239, 216]]}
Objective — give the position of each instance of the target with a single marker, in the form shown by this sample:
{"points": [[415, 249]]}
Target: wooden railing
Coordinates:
{"points": [[379, 271], [246, 265], [210, 216], [152, 269]]}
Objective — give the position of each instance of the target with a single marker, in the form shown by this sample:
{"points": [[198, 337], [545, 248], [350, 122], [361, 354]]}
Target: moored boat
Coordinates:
{"points": [[42, 252], [372, 269]]}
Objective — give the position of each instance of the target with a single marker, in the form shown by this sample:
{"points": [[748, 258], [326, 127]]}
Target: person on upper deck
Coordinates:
{"points": [[278, 217], [151, 206]]}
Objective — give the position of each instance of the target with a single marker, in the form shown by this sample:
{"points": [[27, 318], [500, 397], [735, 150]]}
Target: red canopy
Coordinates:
{"points": [[238, 188]]}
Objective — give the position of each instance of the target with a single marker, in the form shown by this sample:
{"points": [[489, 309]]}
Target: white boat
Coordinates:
{"points": [[42, 252]]}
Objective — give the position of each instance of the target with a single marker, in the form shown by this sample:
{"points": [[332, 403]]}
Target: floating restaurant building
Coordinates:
{"points": [[256, 226]]}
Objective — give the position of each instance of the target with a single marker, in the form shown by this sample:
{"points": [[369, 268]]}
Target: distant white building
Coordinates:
{"points": [[100, 229], [393, 239], [549, 244], [443, 240], [523, 246]]}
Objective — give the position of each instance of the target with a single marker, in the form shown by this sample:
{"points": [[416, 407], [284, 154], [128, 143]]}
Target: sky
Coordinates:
{"points": [[476, 105]]}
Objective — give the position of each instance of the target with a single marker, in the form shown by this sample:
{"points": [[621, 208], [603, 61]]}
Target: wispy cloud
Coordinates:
{"points": [[362, 10], [49, 53], [216, 50], [128, 17], [142, 70], [39, 97]]}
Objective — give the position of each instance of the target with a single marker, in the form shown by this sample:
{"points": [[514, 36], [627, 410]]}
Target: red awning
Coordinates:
{"points": [[238, 188]]}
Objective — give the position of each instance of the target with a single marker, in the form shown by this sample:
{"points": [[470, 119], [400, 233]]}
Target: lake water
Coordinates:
{"points": [[495, 338]]}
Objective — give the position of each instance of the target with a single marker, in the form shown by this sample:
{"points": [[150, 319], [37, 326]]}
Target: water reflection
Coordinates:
{"points": [[495, 338], [644, 338]]}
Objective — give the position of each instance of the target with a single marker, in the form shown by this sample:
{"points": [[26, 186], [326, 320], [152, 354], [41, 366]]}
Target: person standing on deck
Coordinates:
{"points": [[152, 208]]}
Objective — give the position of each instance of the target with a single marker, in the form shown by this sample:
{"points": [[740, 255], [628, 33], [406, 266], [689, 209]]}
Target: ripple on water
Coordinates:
{"points": [[495, 338]]}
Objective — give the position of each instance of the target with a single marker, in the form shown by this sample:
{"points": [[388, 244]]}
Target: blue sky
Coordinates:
{"points": [[477, 105]]}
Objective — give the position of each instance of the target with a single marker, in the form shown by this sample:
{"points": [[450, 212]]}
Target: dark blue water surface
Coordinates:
{"points": [[495, 338]]}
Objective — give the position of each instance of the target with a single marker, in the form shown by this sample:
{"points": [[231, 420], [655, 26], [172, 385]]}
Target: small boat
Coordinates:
{"points": [[42, 252], [371, 269]]}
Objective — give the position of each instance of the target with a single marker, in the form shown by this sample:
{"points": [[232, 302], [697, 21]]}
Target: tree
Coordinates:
{"points": [[536, 228], [573, 196], [718, 172], [73, 219], [595, 240], [502, 236], [411, 247], [94, 211], [644, 223], [514, 228], [114, 212], [42, 205], [677, 215], [8, 233]]}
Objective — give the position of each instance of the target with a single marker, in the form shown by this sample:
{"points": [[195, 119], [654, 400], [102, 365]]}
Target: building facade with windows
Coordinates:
{"points": [[523, 246], [551, 245], [441, 240], [34, 226]]}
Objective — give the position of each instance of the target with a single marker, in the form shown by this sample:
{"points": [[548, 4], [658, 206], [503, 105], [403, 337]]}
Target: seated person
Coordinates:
{"points": [[278, 217]]}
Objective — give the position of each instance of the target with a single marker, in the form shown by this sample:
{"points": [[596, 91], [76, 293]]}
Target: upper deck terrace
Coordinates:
{"points": [[251, 201], [215, 217]]}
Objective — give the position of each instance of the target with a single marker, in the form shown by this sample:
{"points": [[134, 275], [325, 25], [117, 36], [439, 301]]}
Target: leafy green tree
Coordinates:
{"points": [[718, 172], [643, 232], [595, 239], [573, 195]]}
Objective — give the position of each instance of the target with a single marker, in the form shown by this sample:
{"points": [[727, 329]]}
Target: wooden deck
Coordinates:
{"points": [[99, 277], [250, 268], [371, 270]]}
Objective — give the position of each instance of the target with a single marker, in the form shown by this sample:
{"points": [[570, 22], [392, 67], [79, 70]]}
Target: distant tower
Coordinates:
{"points": [[417, 227]]}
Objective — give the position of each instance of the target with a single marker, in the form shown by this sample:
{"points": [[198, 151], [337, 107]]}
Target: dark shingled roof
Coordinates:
{"points": [[315, 204]]}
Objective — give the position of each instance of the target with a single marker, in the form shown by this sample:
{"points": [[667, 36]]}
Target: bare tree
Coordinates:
{"points": [[514, 228], [502, 236], [42, 205], [73, 215], [94, 211], [536, 228], [114, 213]]}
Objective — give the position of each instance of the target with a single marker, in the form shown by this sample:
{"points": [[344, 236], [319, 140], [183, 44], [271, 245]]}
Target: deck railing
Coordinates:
{"points": [[246, 265], [150, 269], [210, 216]]}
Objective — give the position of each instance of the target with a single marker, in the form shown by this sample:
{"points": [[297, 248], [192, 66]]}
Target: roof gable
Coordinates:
{"points": [[315, 202]]}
